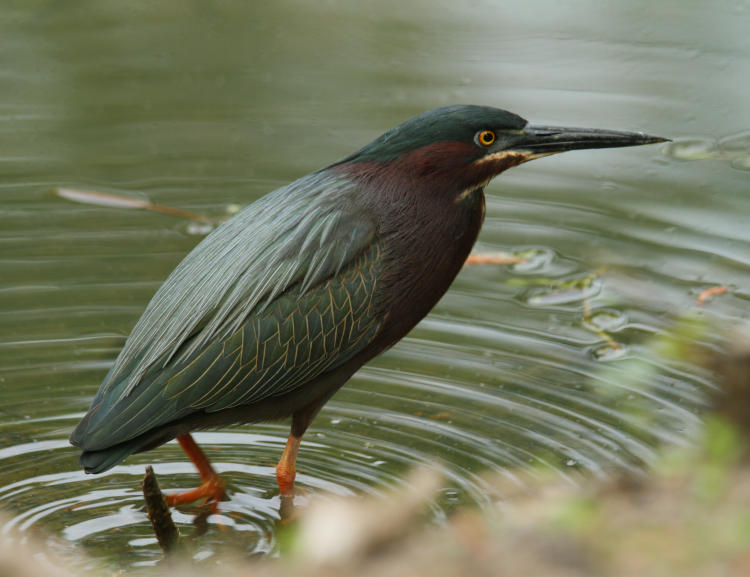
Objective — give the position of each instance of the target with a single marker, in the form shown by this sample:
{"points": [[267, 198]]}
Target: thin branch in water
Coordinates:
{"points": [[122, 201], [158, 513], [707, 294], [497, 258]]}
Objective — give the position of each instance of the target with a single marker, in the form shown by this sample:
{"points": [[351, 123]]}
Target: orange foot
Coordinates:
{"points": [[211, 491]]}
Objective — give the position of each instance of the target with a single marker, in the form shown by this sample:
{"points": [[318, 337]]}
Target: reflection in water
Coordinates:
{"points": [[431, 401], [207, 107]]}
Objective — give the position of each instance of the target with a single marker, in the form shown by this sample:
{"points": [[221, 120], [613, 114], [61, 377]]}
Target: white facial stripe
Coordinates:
{"points": [[521, 157]]}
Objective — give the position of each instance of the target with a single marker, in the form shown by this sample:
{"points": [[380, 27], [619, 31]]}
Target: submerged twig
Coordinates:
{"points": [[497, 258], [121, 201], [158, 513], [706, 295]]}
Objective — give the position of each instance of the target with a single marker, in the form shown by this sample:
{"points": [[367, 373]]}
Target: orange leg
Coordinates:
{"points": [[285, 470], [212, 487]]}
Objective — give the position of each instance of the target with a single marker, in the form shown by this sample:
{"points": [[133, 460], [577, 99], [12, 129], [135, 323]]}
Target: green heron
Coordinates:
{"points": [[279, 306]]}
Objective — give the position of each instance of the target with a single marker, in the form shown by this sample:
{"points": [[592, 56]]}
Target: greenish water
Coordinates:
{"points": [[203, 106]]}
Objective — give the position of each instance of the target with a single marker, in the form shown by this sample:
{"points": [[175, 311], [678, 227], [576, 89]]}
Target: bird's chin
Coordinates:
{"points": [[481, 171], [527, 156]]}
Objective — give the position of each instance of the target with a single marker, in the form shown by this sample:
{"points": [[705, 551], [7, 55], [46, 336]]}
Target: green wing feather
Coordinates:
{"points": [[278, 295], [300, 233]]}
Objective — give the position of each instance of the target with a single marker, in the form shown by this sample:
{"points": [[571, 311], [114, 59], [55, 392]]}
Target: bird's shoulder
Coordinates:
{"points": [[297, 236]]}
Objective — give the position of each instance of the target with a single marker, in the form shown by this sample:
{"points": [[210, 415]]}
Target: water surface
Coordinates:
{"points": [[206, 107]]}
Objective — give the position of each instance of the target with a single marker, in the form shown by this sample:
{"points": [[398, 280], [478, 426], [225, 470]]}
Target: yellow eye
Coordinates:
{"points": [[485, 137]]}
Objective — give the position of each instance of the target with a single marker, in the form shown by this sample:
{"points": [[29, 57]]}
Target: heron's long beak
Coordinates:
{"points": [[537, 141]]}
